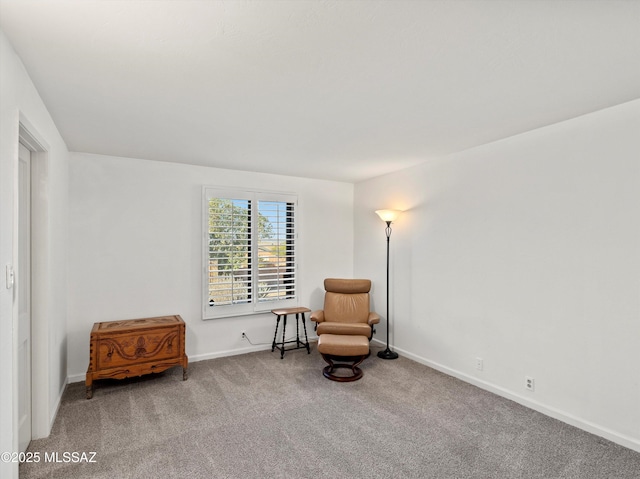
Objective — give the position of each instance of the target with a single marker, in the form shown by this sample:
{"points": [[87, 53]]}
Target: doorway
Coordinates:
{"points": [[23, 293], [32, 367]]}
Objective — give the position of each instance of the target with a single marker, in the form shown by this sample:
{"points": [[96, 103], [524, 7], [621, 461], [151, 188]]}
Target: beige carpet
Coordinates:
{"points": [[257, 416]]}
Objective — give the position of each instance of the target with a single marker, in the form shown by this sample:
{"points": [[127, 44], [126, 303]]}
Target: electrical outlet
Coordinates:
{"points": [[244, 335], [529, 383], [479, 364]]}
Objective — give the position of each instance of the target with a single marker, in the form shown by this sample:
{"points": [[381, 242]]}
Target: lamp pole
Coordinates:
{"points": [[388, 216]]}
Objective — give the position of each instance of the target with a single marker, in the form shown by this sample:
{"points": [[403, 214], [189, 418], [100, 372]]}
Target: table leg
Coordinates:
{"points": [[185, 369], [306, 338], [89, 386], [273, 346], [284, 328]]}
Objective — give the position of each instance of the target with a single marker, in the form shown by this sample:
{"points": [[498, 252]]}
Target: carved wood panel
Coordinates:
{"points": [[120, 349]]}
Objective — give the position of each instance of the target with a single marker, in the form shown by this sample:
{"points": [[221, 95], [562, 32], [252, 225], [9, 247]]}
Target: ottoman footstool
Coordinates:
{"points": [[349, 350]]}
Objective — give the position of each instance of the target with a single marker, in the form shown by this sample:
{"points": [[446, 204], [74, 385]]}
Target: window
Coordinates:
{"points": [[249, 252]]}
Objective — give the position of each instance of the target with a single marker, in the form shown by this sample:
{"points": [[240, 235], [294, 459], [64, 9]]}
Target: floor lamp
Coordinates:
{"points": [[388, 216]]}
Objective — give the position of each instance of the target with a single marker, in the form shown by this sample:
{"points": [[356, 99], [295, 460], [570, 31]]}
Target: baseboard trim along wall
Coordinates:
{"points": [[75, 378], [197, 357], [563, 416], [55, 409]]}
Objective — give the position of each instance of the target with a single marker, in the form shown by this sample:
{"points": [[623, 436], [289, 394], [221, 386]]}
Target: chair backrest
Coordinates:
{"points": [[346, 300]]}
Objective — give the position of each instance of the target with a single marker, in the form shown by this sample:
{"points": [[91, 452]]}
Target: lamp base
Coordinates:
{"points": [[387, 354]]}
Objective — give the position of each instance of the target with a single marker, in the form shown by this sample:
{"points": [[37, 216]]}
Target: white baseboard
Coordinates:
{"points": [[56, 407], [39, 432], [235, 352], [613, 436], [197, 357], [75, 378], [230, 352]]}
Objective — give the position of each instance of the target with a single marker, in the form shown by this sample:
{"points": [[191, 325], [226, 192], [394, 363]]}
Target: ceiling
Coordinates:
{"points": [[333, 89]]}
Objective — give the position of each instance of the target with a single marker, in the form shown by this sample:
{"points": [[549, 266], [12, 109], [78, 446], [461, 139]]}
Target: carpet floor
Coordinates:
{"points": [[257, 416]]}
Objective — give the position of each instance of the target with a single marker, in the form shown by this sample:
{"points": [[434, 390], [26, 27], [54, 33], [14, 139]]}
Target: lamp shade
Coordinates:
{"points": [[388, 215]]}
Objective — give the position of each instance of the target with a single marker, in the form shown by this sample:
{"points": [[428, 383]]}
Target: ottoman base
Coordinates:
{"points": [[349, 350]]}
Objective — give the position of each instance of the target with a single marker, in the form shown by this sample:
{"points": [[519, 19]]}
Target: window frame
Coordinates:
{"points": [[255, 305]]}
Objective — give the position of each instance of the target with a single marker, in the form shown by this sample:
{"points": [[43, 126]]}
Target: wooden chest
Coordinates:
{"points": [[122, 349]]}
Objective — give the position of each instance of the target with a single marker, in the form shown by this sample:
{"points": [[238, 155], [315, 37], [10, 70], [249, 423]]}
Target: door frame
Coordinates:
{"points": [[41, 419], [23, 299]]}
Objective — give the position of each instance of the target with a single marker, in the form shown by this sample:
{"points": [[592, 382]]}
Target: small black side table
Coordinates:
{"points": [[282, 313]]}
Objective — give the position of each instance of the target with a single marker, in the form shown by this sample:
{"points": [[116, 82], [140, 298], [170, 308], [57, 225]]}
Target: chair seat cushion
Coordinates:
{"points": [[337, 345], [349, 329]]}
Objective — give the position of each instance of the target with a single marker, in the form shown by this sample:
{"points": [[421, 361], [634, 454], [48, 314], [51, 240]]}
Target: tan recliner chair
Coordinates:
{"points": [[345, 325]]}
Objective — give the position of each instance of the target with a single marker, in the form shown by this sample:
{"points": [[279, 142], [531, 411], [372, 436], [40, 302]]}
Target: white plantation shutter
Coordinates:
{"points": [[230, 258], [276, 253], [249, 252]]}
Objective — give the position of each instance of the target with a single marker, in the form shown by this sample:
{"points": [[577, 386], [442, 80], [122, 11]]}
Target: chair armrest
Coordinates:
{"points": [[317, 316], [374, 318]]}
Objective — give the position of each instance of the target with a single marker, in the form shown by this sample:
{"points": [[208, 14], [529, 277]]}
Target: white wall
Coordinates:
{"points": [[19, 101], [525, 253], [136, 248]]}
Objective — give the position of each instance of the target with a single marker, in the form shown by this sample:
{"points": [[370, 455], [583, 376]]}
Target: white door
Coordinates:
{"points": [[23, 293]]}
